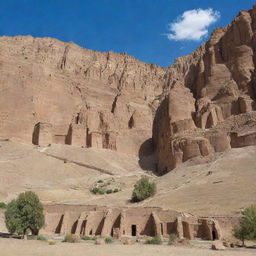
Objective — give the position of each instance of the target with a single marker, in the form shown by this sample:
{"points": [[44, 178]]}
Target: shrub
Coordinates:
{"points": [[25, 213], [41, 238], [100, 181], [3, 205], [109, 191], [71, 238], [116, 190], [143, 189], [88, 238], [51, 242], [154, 240], [172, 239], [246, 229], [96, 191], [32, 237], [101, 192], [108, 240]]}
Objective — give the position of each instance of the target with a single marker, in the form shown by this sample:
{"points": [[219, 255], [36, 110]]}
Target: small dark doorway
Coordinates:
{"points": [[134, 230], [162, 229], [213, 235]]}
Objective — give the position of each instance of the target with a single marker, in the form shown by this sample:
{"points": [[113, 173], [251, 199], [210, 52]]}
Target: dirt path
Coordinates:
{"points": [[14, 247]]}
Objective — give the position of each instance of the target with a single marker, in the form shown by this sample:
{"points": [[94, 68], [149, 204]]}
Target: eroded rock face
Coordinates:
{"points": [[55, 92], [219, 111]]}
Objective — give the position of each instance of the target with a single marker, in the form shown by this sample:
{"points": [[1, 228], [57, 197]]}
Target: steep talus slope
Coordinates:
{"points": [[213, 108]]}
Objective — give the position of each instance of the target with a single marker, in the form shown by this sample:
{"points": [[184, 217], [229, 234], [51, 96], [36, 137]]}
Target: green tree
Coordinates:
{"points": [[143, 189], [246, 230], [25, 213]]}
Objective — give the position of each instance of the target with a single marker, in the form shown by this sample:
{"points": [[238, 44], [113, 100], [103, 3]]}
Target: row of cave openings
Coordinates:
{"points": [[203, 232]]}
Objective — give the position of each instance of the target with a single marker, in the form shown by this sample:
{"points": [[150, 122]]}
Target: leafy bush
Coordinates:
{"points": [[108, 240], [143, 189], [71, 238], [25, 213], [88, 238], [154, 240], [247, 226], [109, 191], [3, 205], [172, 239]]}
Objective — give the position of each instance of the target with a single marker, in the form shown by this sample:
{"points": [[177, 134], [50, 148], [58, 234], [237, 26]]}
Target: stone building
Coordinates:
{"points": [[130, 221]]}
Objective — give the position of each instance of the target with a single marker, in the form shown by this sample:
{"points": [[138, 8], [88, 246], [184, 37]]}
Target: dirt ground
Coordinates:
{"points": [[15, 247]]}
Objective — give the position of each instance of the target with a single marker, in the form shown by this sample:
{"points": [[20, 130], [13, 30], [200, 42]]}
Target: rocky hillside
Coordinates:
{"points": [[55, 92]]}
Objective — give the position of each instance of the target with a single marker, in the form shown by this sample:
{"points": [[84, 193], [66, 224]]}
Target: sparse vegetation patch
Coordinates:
{"points": [[154, 240], [106, 187], [108, 240], [71, 238], [88, 238]]}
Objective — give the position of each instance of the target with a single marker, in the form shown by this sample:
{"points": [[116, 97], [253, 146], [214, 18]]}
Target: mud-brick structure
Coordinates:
{"points": [[130, 221]]}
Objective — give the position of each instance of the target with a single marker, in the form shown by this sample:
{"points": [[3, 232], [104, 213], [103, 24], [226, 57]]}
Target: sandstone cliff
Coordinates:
{"points": [[55, 92], [213, 107]]}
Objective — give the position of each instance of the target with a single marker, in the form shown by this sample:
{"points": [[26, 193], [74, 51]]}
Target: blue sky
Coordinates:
{"points": [[138, 27]]}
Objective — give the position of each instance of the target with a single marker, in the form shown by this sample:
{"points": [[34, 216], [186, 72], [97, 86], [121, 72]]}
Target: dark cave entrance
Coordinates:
{"points": [[213, 235], [134, 230]]}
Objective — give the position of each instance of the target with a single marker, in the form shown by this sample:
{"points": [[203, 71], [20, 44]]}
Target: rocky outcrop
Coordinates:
{"points": [[213, 108]]}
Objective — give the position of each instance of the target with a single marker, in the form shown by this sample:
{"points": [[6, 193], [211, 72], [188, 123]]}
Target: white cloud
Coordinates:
{"points": [[192, 24]]}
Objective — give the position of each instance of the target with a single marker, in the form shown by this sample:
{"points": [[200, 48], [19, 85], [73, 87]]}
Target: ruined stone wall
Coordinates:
{"points": [[132, 221]]}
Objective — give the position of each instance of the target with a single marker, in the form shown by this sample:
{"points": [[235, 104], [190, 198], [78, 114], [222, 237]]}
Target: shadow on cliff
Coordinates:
{"points": [[146, 156], [147, 151]]}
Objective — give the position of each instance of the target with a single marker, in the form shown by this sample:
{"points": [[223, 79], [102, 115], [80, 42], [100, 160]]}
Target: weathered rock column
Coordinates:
{"points": [[179, 228], [157, 224], [123, 223], [108, 222]]}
